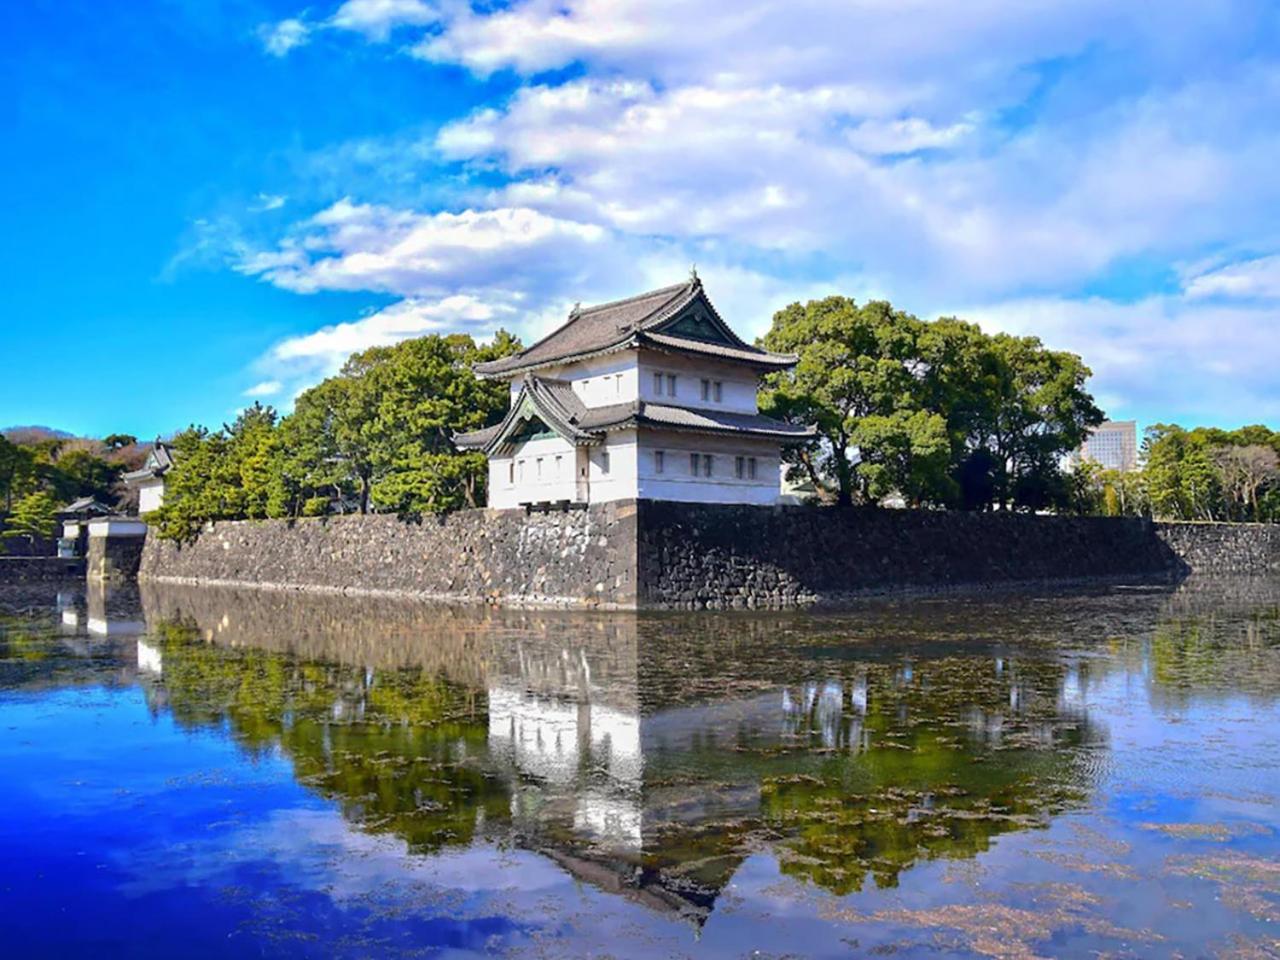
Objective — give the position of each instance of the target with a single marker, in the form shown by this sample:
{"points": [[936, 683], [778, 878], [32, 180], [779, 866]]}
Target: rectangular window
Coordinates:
{"points": [[657, 384], [604, 461], [740, 467], [659, 461], [693, 464], [706, 464], [671, 384], [751, 468], [511, 472], [717, 391], [538, 465], [617, 384], [559, 466], [706, 389], [520, 470]]}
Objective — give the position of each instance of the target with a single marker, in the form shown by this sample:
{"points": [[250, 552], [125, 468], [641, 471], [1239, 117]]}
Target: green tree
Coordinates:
{"points": [[855, 362], [940, 411], [426, 392], [195, 489], [81, 473], [16, 467], [33, 517]]}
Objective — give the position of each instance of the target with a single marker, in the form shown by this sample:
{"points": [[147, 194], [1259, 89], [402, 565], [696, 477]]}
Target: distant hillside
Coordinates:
{"points": [[34, 432]]}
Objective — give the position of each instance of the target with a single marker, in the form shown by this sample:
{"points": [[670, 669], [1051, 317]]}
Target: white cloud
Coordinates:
{"points": [[279, 38], [1249, 279], [993, 153], [352, 246], [905, 135], [298, 362], [833, 170], [377, 18], [1164, 357], [399, 321], [270, 201], [267, 388]]}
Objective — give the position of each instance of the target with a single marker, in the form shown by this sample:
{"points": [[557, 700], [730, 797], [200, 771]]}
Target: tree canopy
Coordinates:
{"points": [[1199, 474], [938, 412], [376, 436]]}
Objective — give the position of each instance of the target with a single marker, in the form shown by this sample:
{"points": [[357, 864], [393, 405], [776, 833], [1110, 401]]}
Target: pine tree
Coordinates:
{"points": [[34, 517]]}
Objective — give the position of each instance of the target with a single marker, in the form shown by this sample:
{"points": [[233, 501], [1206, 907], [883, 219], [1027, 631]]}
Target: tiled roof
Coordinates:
{"points": [[717, 421], [686, 345], [85, 506], [552, 400], [563, 411], [159, 461], [627, 323]]}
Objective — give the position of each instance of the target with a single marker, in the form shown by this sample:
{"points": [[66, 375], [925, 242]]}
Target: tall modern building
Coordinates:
{"points": [[1112, 445]]}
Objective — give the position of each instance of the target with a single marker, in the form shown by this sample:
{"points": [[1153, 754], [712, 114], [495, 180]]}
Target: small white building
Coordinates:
{"points": [[149, 480], [652, 397]]}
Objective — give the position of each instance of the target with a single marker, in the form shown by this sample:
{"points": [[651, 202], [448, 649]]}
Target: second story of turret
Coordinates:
{"points": [[668, 346]]}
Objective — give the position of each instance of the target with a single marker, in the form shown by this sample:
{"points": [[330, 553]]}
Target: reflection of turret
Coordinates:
{"points": [[150, 659]]}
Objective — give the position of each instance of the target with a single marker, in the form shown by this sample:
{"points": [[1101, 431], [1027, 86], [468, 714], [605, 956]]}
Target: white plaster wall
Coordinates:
{"points": [[599, 382], [150, 495], [676, 482], [740, 384], [530, 486], [117, 528], [619, 482], [632, 470]]}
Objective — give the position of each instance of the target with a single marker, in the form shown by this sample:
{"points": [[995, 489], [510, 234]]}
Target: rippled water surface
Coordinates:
{"points": [[216, 773]]}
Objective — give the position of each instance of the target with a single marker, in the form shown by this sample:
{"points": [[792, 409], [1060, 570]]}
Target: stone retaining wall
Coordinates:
{"points": [[579, 557], [1223, 547], [39, 569], [737, 556], [654, 554]]}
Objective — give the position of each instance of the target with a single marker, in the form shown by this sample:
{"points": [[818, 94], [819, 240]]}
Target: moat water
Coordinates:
{"points": [[205, 772]]}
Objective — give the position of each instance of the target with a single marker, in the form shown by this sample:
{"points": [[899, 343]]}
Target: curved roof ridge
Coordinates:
{"points": [[608, 304]]}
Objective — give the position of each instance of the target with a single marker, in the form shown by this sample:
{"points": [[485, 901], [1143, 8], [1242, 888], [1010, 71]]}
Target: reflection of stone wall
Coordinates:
{"points": [[468, 644], [579, 557], [662, 554]]}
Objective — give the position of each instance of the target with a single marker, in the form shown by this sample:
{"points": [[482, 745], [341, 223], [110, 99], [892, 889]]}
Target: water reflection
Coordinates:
{"points": [[652, 756], [647, 755]]}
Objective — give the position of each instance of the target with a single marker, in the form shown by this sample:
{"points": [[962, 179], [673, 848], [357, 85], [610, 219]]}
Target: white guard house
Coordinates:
{"points": [[149, 480], [652, 397]]}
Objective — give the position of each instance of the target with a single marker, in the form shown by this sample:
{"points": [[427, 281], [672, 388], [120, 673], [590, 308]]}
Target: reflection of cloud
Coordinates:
{"points": [[318, 850]]}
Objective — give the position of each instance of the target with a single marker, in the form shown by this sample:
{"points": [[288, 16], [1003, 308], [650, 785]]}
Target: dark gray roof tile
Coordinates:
{"points": [[631, 322]]}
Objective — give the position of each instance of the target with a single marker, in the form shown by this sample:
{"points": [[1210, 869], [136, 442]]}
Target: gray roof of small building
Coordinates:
{"points": [[634, 322], [159, 461], [84, 507], [563, 410]]}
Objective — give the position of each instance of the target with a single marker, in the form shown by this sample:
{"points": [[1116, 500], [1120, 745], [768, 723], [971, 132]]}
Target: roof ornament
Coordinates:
{"points": [[693, 275], [577, 308]]}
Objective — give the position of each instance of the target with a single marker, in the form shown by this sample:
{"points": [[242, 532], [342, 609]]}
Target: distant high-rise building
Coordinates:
{"points": [[1112, 445]]}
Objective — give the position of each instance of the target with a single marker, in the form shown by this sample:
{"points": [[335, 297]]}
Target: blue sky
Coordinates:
{"points": [[214, 202]]}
